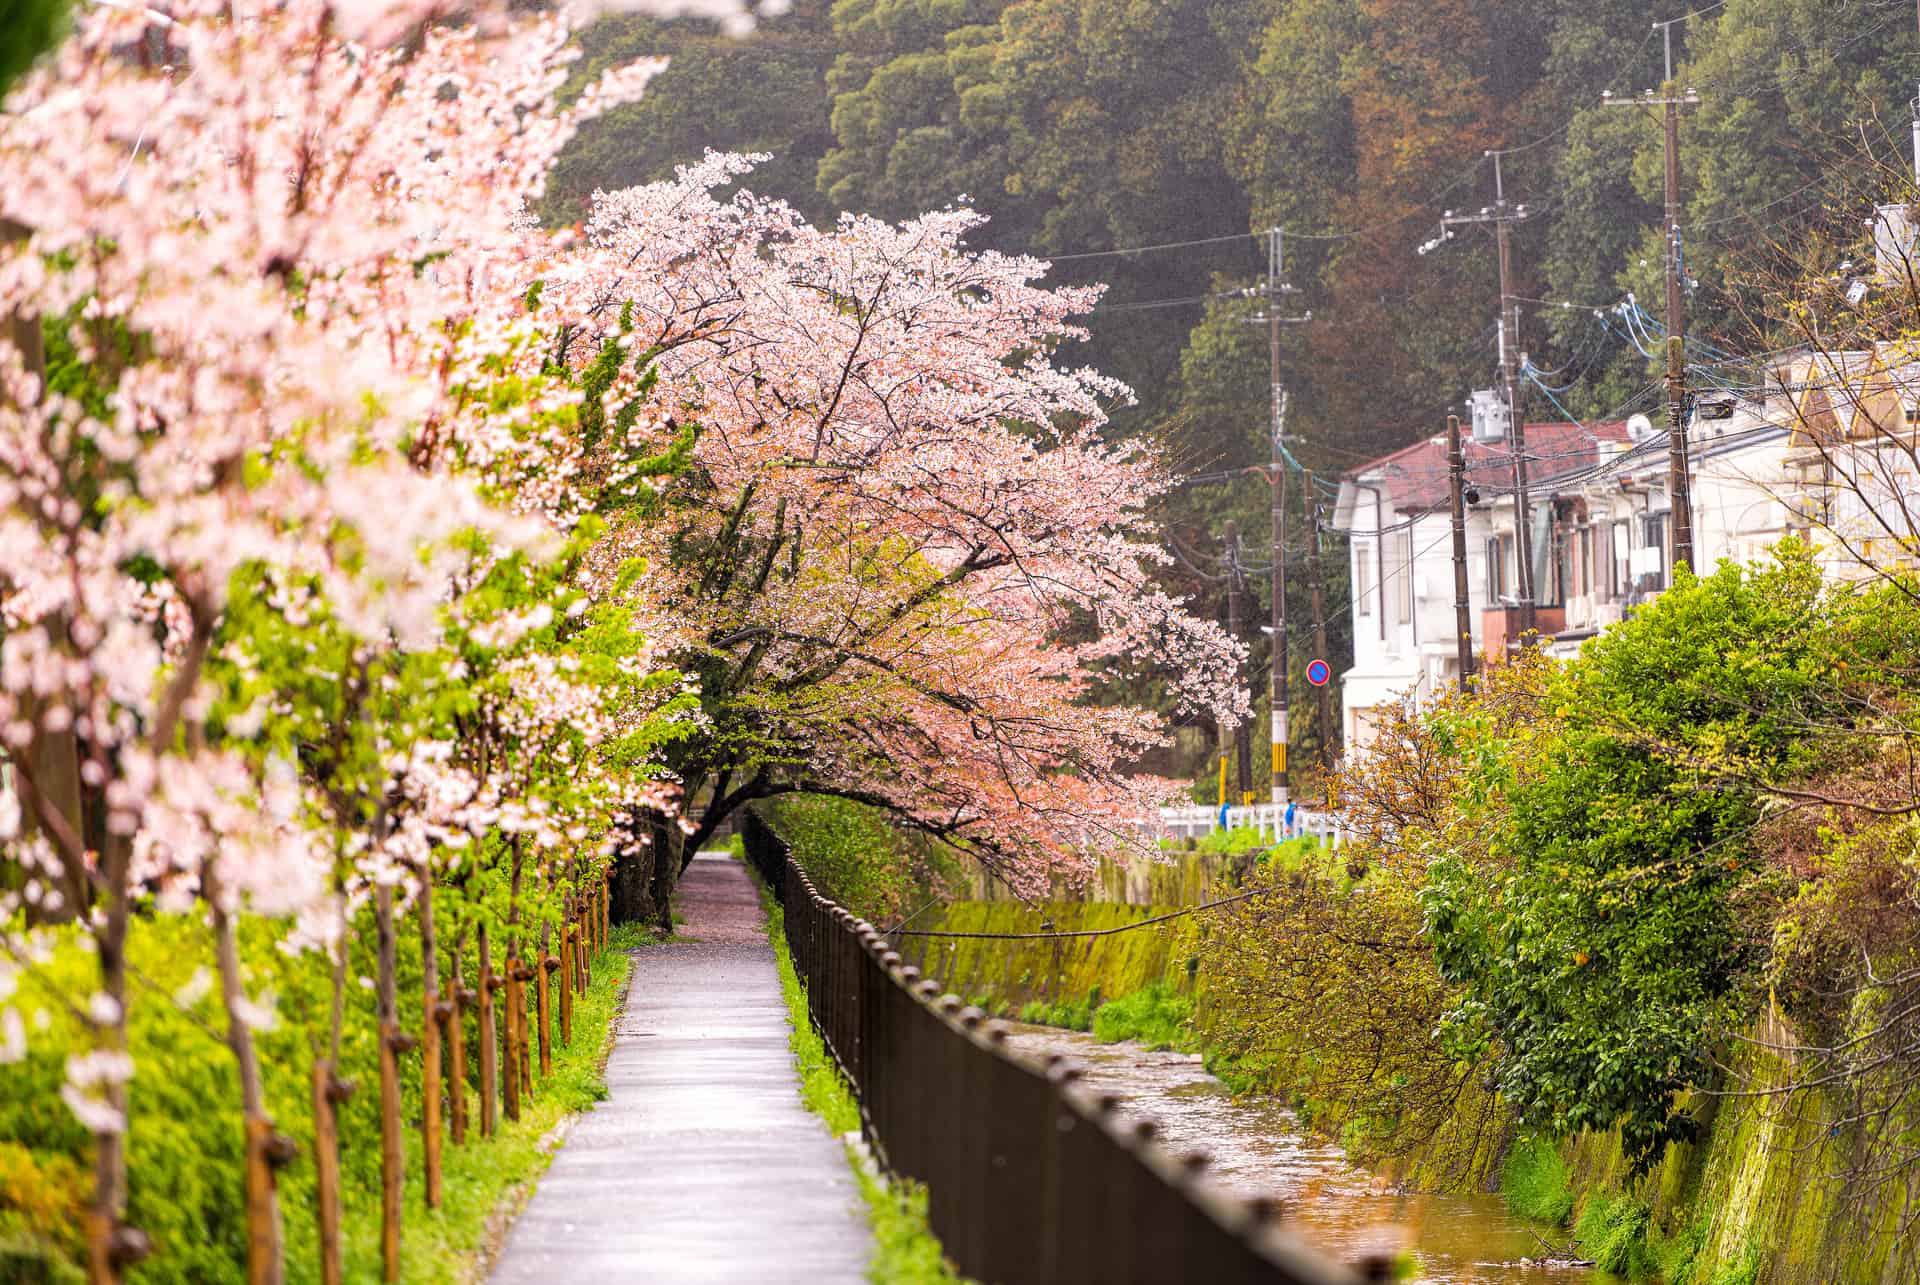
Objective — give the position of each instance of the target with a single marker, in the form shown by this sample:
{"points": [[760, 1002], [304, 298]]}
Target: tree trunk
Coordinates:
{"points": [[329, 1091], [111, 1247], [666, 873], [489, 1041], [510, 1078], [567, 972], [264, 1147], [542, 976], [430, 1019], [632, 878], [392, 1044], [515, 1029], [326, 1164], [457, 994]]}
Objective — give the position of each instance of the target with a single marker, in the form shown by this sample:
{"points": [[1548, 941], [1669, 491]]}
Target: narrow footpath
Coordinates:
{"points": [[702, 1165]]}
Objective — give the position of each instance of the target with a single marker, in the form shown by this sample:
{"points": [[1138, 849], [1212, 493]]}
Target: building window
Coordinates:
{"points": [[1654, 576], [1499, 568], [1362, 579], [1620, 563]]}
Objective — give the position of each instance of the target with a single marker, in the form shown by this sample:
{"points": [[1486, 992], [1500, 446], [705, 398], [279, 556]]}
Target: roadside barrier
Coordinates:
{"points": [[1030, 1179]]}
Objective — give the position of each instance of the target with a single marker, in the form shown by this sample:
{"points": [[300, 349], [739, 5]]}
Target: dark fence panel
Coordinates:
{"points": [[1030, 1180]]}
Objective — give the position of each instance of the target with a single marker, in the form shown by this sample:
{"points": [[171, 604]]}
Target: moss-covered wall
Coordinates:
{"points": [[1179, 878], [1014, 971], [1759, 1190]]}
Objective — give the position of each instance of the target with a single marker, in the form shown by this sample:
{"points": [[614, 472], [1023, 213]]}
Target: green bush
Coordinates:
{"points": [[1071, 1015], [185, 1149], [1599, 941], [1616, 1232], [1156, 1016], [857, 858], [1536, 1183]]}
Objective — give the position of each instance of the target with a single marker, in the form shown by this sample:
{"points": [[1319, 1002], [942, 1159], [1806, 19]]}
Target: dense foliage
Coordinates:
{"points": [[1581, 878], [1079, 128]]}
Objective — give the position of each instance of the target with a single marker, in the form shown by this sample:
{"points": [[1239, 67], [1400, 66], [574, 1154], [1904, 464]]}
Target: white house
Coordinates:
{"points": [[1831, 451], [1396, 512]]}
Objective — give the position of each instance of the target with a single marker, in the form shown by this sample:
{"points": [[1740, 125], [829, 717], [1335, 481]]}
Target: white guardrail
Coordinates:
{"points": [[1270, 819]]}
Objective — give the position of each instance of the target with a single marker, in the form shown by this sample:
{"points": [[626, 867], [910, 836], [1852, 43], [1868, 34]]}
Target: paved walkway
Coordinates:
{"points": [[702, 1165]]}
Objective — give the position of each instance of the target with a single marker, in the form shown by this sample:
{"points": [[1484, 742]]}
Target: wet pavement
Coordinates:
{"points": [[1257, 1148], [702, 1165]]}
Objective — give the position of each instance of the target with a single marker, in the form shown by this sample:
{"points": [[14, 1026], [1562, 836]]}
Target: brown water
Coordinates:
{"points": [[1258, 1149]]}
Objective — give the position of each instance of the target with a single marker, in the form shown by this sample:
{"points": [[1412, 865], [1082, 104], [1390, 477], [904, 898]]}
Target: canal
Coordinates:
{"points": [[1258, 1149]]}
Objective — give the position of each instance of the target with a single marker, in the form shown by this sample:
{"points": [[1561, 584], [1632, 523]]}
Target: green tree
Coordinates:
{"points": [[28, 28], [1599, 939]]}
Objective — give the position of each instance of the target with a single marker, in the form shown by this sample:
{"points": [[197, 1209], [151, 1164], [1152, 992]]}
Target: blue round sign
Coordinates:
{"points": [[1318, 673]]}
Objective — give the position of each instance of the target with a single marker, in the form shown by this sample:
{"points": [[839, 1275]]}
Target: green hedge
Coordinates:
{"points": [[185, 1144]]}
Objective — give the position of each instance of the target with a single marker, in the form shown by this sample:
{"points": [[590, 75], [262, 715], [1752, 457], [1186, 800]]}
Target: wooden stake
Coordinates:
{"points": [[457, 996], [489, 1042], [522, 974], [326, 1163], [586, 947]]}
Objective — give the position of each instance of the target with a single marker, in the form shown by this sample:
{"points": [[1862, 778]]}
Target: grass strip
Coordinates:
{"points": [[905, 1251], [484, 1182]]}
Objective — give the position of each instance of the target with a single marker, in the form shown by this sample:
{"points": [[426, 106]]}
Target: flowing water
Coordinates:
{"points": [[1258, 1149]]}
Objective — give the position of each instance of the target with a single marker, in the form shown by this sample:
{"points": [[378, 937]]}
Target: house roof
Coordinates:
{"points": [[1414, 477]]}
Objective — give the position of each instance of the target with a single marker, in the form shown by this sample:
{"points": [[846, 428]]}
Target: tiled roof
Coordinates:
{"points": [[1415, 477]]}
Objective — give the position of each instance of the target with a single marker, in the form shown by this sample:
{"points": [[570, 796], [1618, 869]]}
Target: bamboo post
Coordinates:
{"points": [[489, 1042], [430, 1018], [542, 976], [457, 997]]}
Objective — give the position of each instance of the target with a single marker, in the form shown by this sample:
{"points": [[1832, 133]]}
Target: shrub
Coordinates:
{"points": [[1536, 1183], [1071, 1014], [1156, 1016], [1615, 1231], [859, 859]]}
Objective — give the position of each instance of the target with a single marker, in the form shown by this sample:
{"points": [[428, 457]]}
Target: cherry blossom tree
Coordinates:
{"points": [[904, 556], [251, 257]]}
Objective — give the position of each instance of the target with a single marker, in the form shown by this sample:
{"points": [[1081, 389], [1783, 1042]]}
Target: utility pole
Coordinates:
{"points": [[1316, 588], [1276, 475], [1242, 736], [1462, 604], [1679, 480], [1502, 215]]}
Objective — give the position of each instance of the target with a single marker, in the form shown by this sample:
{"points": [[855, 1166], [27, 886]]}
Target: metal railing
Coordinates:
{"points": [[1029, 1178], [1269, 819]]}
